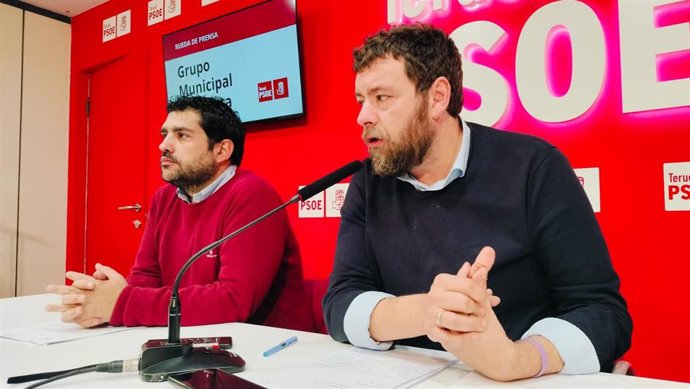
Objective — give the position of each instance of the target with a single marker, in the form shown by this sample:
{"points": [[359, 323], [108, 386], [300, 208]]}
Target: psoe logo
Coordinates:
{"points": [[335, 198], [265, 91], [312, 207], [172, 8], [280, 88], [155, 14], [124, 23], [109, 29], [677, 186]]}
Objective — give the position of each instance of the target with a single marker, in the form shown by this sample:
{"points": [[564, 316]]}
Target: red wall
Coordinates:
{"points": [[648, 245]]}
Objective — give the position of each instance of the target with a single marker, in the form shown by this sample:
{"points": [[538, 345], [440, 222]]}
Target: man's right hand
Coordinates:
{"points": [[456, 301], [72, 299]]}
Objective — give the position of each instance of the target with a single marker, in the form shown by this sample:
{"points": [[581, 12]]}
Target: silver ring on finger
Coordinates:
{"points": [[438, 319]]}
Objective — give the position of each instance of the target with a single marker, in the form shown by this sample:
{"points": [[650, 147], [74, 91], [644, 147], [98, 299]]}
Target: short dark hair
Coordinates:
{"points": [[427, 52], [218, 120]]}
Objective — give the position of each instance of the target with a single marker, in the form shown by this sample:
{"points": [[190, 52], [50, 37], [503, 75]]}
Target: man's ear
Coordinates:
{"points": [[223, 150], [439, 97]]}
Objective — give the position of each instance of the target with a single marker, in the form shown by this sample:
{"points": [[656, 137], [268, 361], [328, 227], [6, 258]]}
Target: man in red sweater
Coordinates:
{"points": [[255, 277]]}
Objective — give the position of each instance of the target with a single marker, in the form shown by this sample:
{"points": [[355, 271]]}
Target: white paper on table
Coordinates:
{"points": [[411, 383], [356, 368], [50, 333]]}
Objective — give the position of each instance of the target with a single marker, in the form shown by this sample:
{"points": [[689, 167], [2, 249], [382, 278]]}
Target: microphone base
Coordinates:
{"points": [[156, 351], [160, 359]]}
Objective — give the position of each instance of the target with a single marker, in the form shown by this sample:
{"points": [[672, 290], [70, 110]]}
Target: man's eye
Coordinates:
{"points": [[381, 97]]}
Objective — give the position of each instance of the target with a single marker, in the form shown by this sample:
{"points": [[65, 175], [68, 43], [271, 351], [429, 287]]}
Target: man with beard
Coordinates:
{"points": [[255, 277], [447, 216]]}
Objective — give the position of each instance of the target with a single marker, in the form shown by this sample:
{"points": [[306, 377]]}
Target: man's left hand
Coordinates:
{"points": [[89, 301], [490, 352]]}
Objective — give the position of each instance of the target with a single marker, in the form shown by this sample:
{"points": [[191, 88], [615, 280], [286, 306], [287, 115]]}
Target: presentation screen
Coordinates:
{"points": [[249, 58]]}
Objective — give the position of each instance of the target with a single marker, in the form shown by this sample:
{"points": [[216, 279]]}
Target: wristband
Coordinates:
{"points": [[542, 354]]}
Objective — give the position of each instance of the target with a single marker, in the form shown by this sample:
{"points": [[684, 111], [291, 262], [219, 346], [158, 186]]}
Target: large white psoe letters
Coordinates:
{"points": [[482, 79], [641, 42], [588, 56]]}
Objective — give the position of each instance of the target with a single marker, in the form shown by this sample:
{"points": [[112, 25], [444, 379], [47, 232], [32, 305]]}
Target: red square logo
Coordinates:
{"points": [[280, 88], [265, 91]]}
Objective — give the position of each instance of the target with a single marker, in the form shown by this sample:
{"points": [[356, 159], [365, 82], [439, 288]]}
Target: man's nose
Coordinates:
{"points": [[165, 145], [366, 115]]}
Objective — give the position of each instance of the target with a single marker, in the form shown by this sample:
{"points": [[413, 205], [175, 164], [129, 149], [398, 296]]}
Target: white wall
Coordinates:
{"points": [[35, 93]]}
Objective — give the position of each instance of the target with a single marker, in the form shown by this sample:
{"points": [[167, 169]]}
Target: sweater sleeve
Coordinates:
{"points": [[248, 266], [573, 255], [352, 271]]}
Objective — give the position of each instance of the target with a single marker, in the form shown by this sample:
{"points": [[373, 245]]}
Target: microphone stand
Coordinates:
{"points": [[174, 310], [162, 357]]}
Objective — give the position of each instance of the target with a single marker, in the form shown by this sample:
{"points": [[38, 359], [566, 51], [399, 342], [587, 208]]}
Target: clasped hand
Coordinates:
{"points": [[89, 300], [461, 317]]}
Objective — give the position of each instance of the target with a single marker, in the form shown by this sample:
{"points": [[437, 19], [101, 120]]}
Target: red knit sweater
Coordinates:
{"points": [[255, 277]]}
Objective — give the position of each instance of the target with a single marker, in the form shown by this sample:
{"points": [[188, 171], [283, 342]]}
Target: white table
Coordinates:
{"points": [[18, 358]]}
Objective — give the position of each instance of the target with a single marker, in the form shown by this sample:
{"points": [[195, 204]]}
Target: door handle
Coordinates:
{"points": [[136, 207]]}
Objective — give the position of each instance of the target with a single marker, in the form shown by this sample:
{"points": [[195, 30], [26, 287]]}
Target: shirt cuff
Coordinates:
{"points": [[576, 350], [357, 320]]}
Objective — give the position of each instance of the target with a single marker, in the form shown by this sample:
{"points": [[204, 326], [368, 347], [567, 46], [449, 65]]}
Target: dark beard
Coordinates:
{"points": [[193, 176], [403, 155], [193, 183]]}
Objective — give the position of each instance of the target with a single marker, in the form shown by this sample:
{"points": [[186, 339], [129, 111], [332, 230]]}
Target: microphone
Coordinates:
{"points": [[327, 181], [155, 364]]}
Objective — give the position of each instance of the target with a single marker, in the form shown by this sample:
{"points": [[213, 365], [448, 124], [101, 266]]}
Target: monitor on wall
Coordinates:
{"points": [[249, 58]]}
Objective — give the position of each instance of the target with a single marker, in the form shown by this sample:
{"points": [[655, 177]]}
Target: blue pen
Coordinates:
{"points": [[280, 346]]}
